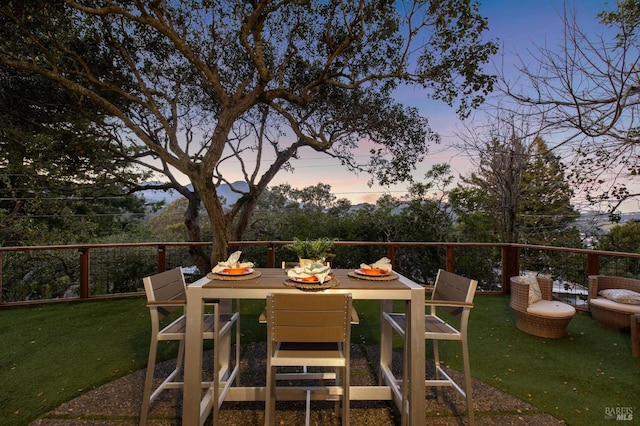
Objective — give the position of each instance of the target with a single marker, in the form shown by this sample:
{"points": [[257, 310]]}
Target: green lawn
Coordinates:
{"points": [[51, 354], [575, 378]]}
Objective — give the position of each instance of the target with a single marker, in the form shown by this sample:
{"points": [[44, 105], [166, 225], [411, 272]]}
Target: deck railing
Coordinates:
{"points": [[45, 274]]}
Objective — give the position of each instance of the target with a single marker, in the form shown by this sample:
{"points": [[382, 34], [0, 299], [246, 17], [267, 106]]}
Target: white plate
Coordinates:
{"points": [[306, 280], [362, 272], [249, 271]]}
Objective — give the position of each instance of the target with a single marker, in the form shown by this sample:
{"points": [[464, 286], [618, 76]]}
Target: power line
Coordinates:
{"points": [[36, 197], [61, 216]]}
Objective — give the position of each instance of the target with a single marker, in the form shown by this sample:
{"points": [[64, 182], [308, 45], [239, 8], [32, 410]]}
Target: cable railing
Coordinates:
{"points": [[47, 274]]}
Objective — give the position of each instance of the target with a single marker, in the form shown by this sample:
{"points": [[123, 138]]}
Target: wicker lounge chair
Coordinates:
{"points": [[607, 313], [546, 318]]}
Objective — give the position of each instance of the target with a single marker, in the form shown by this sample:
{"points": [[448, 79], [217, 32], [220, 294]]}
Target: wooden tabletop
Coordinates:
{"points": [[274, 278]]}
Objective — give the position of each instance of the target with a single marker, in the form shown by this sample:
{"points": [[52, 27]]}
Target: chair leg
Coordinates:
{"points": [[216, 379], [179, 366], [180, 356], [148, 382], [270, 399], [436, 363], [307, 409], [337, 409], [237, 345], [406, 379], [467, 382], [346, 409]]}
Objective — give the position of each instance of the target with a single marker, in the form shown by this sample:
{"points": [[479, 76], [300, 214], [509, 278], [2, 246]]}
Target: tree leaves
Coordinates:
{"points": [[191, 85]]}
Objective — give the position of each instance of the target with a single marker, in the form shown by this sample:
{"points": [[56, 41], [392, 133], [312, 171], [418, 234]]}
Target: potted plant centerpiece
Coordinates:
{"points": [[312, 251]]}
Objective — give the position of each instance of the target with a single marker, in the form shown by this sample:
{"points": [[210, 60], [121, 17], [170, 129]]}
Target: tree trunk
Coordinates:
{"points": [[217, 218], [191, 214], [240, 225]]}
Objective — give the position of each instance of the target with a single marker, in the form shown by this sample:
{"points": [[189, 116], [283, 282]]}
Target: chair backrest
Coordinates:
{"points": [[519, 288], [309, 317], [604, 282], [166, 286], [289, 265], [454, 288], [546, 287]]}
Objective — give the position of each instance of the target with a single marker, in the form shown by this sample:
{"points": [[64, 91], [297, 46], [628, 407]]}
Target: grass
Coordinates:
{"points": [[51, 354], [575, 378]]}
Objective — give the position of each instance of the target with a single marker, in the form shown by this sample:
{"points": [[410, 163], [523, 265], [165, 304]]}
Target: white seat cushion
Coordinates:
{"points": [[610, 304], [551, 308]]}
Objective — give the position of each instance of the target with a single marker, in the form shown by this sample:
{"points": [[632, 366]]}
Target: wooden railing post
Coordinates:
{"points": [[450, 259], [593, 264], [271, 256], [510, 266], [84, 273], [391, 253], [162, 258]]}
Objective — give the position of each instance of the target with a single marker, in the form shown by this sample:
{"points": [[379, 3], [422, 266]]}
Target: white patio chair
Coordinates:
{"points": [[166, 293], [455, 294], [309, 330]]}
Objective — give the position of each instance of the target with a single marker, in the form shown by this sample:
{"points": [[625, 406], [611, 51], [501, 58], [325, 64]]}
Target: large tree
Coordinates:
{"points": [[517, 184], [546, 213], [193, 86], [494, 187], [587, 89]]}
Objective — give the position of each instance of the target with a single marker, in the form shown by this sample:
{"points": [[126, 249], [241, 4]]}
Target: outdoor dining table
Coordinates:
{"points": [[196, 408]]}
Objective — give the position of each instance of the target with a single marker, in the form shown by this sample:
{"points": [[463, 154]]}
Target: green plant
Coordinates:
{"points": [[317, 249]]}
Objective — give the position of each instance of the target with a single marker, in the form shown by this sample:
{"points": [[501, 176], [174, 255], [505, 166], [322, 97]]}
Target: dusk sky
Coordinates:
{"points": [[518, 26]]}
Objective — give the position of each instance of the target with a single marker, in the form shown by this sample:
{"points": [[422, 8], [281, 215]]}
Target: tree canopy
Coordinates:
{"points": [[190, 87], [518, 190], [58, 181], [588, 91]]}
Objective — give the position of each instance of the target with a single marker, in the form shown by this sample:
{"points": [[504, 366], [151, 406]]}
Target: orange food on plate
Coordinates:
{"points": [[374, 271], [235, 271], [312, 279]]}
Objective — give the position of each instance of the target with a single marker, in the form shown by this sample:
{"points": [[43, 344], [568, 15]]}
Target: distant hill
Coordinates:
{"points": [[169, 196], [588, 222], [229, 195]]}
